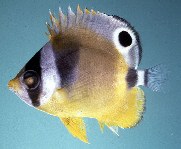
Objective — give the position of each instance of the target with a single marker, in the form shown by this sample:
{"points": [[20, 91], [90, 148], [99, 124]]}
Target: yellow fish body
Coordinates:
{"points": [[88, 69]]}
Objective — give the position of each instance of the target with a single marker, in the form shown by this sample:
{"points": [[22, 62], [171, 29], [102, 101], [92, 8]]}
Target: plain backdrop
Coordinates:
{"points": [[22, 34]]}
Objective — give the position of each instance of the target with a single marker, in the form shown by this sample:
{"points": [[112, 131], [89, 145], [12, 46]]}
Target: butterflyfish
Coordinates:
{"points": [[88, 69]]}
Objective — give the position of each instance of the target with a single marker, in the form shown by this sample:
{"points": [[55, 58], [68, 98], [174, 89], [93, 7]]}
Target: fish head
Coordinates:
{"points": [[37, 80]]}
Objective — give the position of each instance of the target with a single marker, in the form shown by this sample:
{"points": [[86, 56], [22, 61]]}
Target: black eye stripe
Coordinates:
{"points": [[34, 96], [34, 65]]}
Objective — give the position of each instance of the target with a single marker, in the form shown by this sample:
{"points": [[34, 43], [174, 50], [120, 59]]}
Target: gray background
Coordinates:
{"points": [[22, 34]]}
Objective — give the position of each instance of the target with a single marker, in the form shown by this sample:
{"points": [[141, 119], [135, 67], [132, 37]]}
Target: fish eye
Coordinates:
{"points": [[125, 39], [31, 79]]}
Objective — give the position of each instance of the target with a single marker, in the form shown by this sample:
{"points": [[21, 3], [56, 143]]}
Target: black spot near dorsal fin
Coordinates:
{"points": [[135, 32]]}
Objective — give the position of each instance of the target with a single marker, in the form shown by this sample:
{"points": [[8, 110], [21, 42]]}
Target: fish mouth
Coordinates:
{"points": [[13, 85]]}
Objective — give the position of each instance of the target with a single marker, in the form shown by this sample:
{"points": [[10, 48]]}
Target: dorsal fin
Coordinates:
{"points": [[80, 18], [98, 22], [103, 25]]}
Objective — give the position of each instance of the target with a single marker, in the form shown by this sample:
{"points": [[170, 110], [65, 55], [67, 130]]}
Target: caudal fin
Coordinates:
{"points": [[153, 77]]}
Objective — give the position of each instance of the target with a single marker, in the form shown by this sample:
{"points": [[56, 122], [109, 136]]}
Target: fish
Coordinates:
{"points": [[88, 69]]}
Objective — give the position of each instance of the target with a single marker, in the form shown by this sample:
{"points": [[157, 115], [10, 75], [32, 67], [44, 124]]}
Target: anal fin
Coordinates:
{"points": [[114, 129], [76, 127], [135, 108], [101, 125], [129, 113]]}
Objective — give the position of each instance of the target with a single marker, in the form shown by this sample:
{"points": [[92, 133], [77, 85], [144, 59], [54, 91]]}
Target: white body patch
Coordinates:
{"points": [[141, 76]]}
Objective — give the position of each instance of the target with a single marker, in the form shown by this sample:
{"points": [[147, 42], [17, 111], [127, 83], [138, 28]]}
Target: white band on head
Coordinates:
{"points": [[50, 77]]}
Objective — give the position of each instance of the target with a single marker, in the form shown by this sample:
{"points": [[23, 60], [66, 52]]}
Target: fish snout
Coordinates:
{"points": [[13, 85]]}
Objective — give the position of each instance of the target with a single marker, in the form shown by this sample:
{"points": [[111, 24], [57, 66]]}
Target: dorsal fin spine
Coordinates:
{"points": [[52, 33], [70, 18], [55, 23], [93, 12], [62, 19], [79, 15], [87, 11]]}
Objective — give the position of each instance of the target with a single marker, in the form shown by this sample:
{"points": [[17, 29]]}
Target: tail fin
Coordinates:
{"points": [[154, 77]]}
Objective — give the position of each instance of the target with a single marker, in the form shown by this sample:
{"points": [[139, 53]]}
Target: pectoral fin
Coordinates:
{"points": [[76, 127]]}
